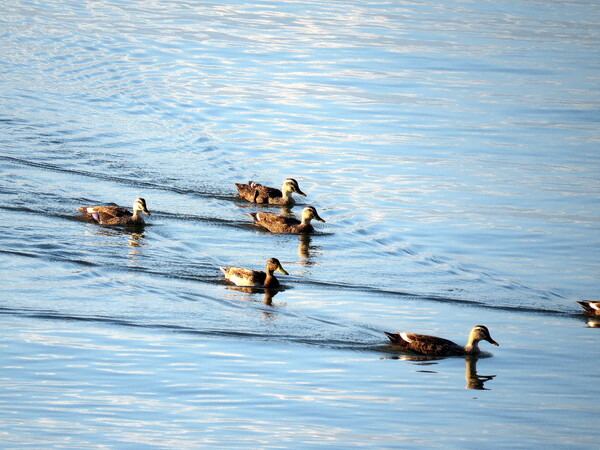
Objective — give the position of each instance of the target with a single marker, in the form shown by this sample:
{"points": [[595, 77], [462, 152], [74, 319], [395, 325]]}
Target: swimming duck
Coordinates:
{"points": [[257, 193], [247, 277], [436, 346], [283, 224], [591, 308], [115, 215]]}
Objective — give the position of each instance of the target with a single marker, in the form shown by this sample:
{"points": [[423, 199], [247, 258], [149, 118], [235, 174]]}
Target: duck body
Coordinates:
{"points": [[436, 346], [256, 278], [115, 215], [591, 308], [277, 223], [258, 193]]}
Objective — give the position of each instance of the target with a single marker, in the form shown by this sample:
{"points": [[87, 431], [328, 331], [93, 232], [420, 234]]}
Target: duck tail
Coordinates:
{"points": [[394, 338], [585, 305]]}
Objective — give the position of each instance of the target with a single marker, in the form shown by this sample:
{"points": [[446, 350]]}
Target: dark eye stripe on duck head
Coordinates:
{"points": [[486, 334], [312, 213], [141, 202], [294, 186]]}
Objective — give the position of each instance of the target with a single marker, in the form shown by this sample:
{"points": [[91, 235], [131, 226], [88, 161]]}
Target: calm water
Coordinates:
{"points": [[452, 149]]}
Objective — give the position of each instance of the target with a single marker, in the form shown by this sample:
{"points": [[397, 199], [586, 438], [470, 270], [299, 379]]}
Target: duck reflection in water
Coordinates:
{"points": [[475, 381], [135, 239], [268, 293], [286, 210], [306, 250], [134, 235], [135, 246]]}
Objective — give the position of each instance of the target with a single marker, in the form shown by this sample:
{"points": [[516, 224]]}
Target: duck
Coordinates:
{"points": [[436, 346], [277, 223], [591, 308], [115, 215], [248, 277], [258, 193]]}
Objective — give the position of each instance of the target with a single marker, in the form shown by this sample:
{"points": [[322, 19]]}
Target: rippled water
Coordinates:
{"points": [[451, 148]]}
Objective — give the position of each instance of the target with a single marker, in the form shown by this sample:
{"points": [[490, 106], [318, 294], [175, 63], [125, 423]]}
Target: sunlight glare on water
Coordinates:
{"points": [[450, 147]]}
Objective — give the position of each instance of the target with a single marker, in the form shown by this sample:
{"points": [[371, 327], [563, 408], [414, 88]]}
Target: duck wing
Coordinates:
{"points": [[276, 223], [434, 346], [246, 191], [256, 192], [426, 345], [244, 277], [274, 219], [264, 193], [105, 214]]}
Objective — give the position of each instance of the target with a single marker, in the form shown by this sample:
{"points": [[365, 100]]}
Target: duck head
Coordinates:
{"points": [[273, 265], [481, 333], [291, 185], [140, 205], [309, 213]]}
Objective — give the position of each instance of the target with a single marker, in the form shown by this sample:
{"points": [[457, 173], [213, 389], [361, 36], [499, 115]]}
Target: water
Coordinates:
{"points": [[451, 148]]}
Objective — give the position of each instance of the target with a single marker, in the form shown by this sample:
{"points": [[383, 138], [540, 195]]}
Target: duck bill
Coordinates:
{"points": [[299, 192], [281, 270], [493, 342], [319, 219], [146, 212]]}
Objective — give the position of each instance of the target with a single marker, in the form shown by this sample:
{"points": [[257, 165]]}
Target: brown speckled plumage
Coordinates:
{"points": [[258, 193], [277, 223], [436, 346], [115, 215], [247, 277]]}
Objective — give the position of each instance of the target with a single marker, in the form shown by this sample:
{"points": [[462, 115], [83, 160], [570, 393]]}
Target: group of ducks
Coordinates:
{"points": [[276, 223]]}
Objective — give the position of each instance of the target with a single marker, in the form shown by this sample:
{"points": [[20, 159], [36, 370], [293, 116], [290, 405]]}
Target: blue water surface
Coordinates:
{"points": [[451, 148]]}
